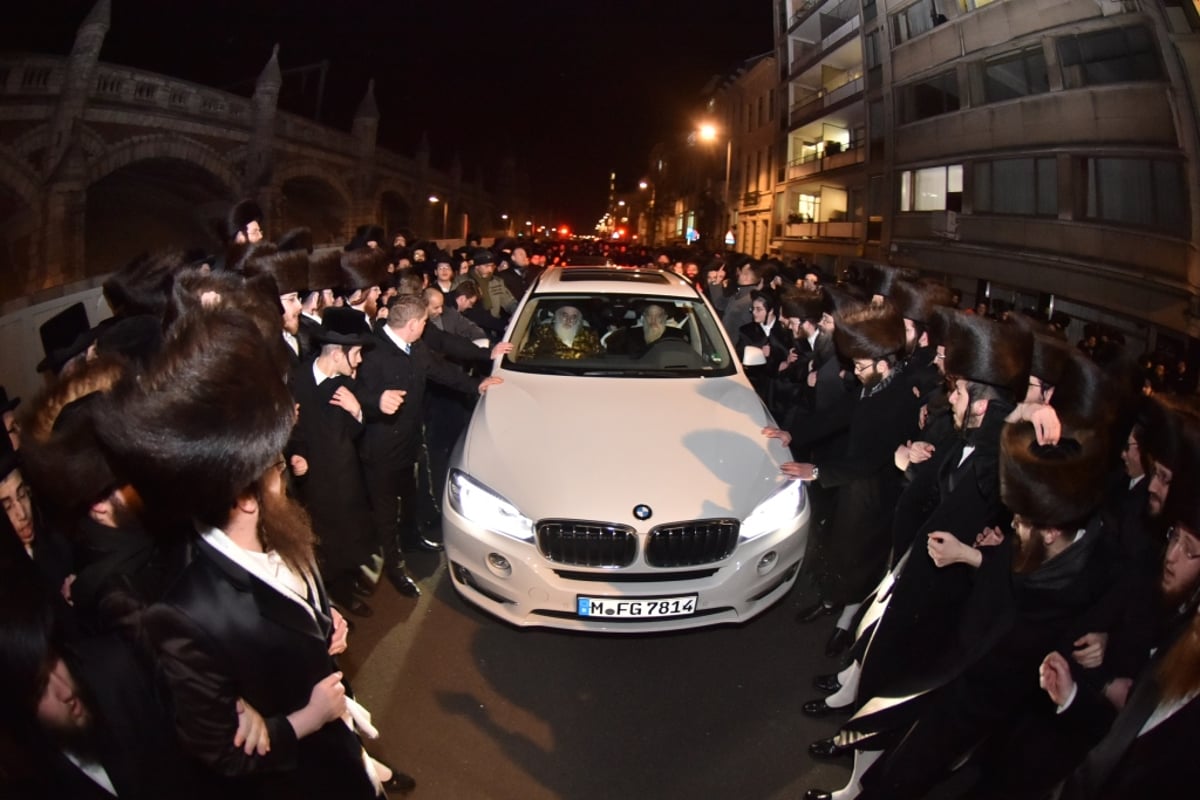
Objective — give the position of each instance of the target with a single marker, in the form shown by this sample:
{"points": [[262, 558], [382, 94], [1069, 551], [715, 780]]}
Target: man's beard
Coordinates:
{"points": [[870, 381], [653, 333], [284, 526], [371, 307], [1179, 672], [1030, 554], [566, 333]]}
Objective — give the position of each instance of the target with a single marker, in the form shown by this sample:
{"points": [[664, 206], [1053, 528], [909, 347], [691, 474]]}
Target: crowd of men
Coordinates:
{"points": [[214, 479]]}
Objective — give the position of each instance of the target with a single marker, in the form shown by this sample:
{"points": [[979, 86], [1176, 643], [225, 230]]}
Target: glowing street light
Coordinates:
{"points": [[708, 133], [434, 200]]}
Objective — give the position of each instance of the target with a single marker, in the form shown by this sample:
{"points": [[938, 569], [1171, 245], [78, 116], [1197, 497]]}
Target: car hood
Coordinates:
{"points": [[593, 448]]}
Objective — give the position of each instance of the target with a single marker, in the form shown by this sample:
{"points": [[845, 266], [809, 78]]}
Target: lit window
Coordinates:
{"points": [[932, 189]]}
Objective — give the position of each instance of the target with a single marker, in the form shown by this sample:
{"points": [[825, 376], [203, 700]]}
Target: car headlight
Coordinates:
{"points": [[487, 509], [779, 508]]}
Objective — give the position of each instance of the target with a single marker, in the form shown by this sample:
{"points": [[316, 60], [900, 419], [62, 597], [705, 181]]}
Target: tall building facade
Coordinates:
{"points": [[1027, 149]]}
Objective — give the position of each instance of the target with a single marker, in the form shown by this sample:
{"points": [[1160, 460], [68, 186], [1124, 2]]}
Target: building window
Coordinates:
{"points": [[1014, 75], [771, 105], [869, 10], [928, 98], [1113, 55], [914, 20], [761, 118], [1027, 186], [932, 189], [871, 54], [970, 5], [1147, 193]]}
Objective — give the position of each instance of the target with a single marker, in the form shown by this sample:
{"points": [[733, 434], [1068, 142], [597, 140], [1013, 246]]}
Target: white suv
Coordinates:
{"points": [[621, 482]]}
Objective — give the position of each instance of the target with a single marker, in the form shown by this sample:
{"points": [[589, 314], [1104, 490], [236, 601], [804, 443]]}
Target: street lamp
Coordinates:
{"points": [[708, 132], [507, 226], [651, 222], [434, 200]]}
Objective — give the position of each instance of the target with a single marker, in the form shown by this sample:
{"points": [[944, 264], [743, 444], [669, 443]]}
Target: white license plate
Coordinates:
{"points": [[636, 608]]}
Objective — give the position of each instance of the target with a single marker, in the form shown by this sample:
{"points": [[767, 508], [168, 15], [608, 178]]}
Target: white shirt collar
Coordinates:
{"points": [[292, 342], [267, 567], [396, 340], [319, 376]]}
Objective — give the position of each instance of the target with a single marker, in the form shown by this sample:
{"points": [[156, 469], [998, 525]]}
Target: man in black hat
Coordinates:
{"points": [[329, 425], [243, 224], [48, 549], [288, 269], [65, 339], [855, 556]]}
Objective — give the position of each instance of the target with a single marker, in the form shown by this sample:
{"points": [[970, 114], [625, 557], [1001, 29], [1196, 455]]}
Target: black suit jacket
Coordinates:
{"points": [[221, 634], [396, 438]]}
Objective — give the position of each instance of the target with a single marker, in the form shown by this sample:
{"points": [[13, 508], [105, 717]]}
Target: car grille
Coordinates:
{"points": [[587, 544], [599, 544], [686, 544]]}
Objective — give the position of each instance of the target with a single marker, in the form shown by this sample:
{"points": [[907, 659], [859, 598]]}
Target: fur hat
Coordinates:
{"points": [[199, 427], [64, 336], [344, 326], [803, 305], [367, 233], [137, 338], [881, 278], [1052, 485], [874, 332], [916, 301], [1183, 506], [324, 269], [985, 351], [242, 214], [69, 470], [1050, 357], [288, 268], [1083, 394], [842, 299], [362, 268], [143, 285], [1165, 419], [296, 239]]}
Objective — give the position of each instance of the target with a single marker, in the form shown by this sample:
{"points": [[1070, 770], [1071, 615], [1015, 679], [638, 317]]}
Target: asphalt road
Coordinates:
{"points": [[477, 710]]}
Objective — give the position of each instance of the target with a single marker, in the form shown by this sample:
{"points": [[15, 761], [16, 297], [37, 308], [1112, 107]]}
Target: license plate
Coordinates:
{"points": [[638, 608]]}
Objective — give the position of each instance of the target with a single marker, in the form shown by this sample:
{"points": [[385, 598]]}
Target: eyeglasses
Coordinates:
{"points": [[859, 369], [1175, 537]]}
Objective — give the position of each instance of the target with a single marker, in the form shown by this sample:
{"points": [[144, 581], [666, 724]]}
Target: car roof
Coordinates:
{"points": [[612, 280]]}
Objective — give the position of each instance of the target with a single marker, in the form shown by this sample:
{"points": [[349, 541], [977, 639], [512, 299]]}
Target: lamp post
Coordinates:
{"points": [[507, 225], [651, 222], [434, 200], [708, 132]]}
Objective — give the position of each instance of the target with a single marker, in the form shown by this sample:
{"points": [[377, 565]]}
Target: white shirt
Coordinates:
{"points": [[267, 567], [318, 376], [93, 769], [292, 342]]}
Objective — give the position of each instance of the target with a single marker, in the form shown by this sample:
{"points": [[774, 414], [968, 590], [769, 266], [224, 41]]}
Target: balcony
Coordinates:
{"points": [[834, 35], [827, 160], [824, 230], [821, 101]]}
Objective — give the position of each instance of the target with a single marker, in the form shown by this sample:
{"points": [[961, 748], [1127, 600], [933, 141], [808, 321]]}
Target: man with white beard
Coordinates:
{"points": [[565, 338]]}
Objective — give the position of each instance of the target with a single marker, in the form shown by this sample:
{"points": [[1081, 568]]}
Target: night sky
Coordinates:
{"points": [[571, 88]]}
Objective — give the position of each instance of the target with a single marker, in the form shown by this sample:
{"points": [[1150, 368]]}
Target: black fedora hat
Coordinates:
{"points": [[344, 326], [64, 336], [6, 403]]}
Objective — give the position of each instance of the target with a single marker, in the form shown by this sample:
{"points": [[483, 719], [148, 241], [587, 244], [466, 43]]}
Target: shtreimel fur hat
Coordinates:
{"points": [[916, 301], [985, 351], [875, 333], [1051, 485], [204, 422]]}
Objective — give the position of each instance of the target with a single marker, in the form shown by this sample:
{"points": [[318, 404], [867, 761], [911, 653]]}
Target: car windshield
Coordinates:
{"points": [[618, 335]]}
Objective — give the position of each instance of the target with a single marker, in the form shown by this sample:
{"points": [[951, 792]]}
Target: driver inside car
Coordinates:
{"points": [[652, 328]]}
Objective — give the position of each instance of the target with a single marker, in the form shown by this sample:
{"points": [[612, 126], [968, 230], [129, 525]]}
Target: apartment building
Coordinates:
{"points": [[1027, 149]]}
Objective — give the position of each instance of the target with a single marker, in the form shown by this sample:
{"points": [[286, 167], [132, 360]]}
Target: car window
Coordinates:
{"points": [[618, 335]]}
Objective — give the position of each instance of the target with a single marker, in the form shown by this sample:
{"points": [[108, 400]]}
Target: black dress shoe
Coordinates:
{"points": [[815, 611], [819, 708], [430, 545], [403, 582], [839, 642], [362, 587], [818, 794], [399, 782], [828, 748], [827, 683]]}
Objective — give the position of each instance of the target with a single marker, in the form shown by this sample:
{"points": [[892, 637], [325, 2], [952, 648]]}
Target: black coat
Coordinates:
{"points": [[868, 484], [396, 438], [332, 490], [221, 634]]}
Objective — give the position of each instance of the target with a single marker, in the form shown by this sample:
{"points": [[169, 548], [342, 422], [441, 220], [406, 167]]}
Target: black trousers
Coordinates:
{"points": [[392, 490]]}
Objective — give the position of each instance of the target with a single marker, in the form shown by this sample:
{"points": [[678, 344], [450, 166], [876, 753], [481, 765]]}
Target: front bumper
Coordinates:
{"points": [[512, 580]]}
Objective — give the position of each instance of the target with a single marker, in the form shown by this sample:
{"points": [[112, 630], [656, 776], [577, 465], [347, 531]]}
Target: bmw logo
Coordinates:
{"points": [[642, 512]]}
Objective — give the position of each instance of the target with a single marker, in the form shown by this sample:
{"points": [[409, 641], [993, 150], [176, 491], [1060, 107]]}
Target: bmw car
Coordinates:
{"points": [[618, 480]]}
